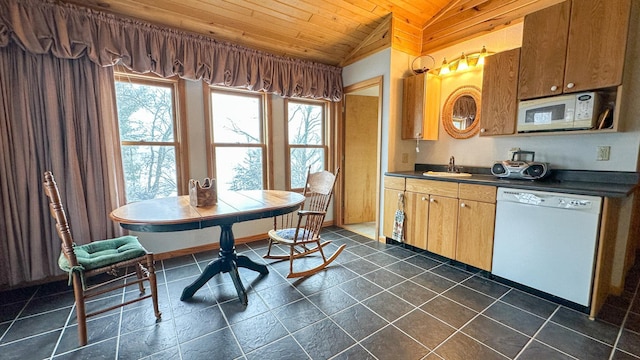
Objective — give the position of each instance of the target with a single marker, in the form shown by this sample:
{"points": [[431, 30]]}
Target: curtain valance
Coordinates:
{"points": [[67, 31]]}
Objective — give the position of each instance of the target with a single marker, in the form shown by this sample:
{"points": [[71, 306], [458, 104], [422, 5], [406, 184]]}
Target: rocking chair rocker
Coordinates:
{"points": [[301, 229]]}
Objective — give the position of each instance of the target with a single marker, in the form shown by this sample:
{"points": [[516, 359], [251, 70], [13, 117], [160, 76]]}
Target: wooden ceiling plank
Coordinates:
{"points": [[510, 10], [468, 13]]}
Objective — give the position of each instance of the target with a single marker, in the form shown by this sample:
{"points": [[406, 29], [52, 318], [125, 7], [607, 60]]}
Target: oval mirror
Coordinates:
{"points": [[461, 112]]}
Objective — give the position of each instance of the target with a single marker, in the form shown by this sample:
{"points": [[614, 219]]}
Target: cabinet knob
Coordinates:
{"points": [[554, 88], [424, 198], [570, 85], [463, 205], [483, 130], [432, 200], [418, 135]]}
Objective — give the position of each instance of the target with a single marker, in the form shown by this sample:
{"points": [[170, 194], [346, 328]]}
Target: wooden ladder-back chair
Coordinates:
{"points": [[300, 230], [112, 256]]}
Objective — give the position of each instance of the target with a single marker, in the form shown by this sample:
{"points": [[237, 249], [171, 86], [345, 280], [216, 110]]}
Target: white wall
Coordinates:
{"points": [[561, 151]]}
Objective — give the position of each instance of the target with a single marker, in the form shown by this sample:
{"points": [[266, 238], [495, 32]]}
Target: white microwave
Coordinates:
{"points": [[563, 112]]}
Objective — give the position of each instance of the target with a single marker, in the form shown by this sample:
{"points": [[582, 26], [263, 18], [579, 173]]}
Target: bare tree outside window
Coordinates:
{"points": [[238, 140], [147, 136], [306, 133]]}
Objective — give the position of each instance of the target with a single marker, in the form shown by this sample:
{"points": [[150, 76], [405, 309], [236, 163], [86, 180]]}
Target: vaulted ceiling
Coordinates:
{"points": [[335, 32]]}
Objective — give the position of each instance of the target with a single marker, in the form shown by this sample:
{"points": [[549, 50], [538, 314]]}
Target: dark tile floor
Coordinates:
{"points": [[376, 301]]}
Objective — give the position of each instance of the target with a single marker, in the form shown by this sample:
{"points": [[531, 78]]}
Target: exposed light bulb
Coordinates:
{"points": [[444, 69], [462, 63], [483, 54]]}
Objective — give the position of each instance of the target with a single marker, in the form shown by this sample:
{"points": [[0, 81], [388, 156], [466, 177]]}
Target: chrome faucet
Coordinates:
{"points": [[452, 165]]}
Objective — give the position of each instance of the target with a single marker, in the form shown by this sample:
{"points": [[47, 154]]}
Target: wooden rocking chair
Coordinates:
{"points": [[301, 229], [111, 256]]}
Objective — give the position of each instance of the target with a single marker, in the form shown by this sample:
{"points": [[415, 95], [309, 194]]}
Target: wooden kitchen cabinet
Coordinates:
{"points": [[573, 46], [417, 205], [443, 220], [421, 107], [475, 230], [393, 190], [500, 93]]}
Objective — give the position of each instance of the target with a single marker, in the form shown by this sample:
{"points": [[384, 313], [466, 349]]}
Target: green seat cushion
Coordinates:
{"points": [[104, 252]]}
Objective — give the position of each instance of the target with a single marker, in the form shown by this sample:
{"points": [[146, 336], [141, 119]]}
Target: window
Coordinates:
{"points": [[306, 140], [148, 136], [238, 146]]}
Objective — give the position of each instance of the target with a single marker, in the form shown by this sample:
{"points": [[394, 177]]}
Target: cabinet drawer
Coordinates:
{"points": [[484, 193], [394, 182], [433, 187]]}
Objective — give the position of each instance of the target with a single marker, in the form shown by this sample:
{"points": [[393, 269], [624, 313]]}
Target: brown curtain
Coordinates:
{"points": [[67, 31], [56, 115]]}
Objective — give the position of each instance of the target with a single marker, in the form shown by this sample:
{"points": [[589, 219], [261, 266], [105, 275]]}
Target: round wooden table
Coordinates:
{"points": [[176, 214]]}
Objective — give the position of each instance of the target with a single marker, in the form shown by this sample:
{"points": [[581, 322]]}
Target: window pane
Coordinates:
{"points": [[301, 159], [305, 124], [239, 168], [236, 118], [149, 172], [145, 112]]}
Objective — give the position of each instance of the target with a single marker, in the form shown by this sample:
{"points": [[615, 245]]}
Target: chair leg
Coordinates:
{"points": [[139, 275], [291, 257], [81, 315], [153, 284]]}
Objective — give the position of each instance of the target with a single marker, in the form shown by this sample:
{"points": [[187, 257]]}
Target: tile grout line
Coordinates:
{"points": [[624, 321]]}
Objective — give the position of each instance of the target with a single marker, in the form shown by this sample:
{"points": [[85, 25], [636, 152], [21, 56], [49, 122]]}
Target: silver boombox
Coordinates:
{"points": [[516, 168]]}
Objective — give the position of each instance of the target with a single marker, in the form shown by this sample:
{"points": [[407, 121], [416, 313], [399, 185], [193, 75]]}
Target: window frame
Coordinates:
{"points": [[325, 137], [265, 127], [180, 145]]}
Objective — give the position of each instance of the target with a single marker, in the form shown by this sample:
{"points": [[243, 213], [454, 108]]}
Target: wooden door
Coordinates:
{"points": [[500, 93], [421, 107], [390, 206], [443, 221], [543, 54], [417, 219], [596, 46], [476, 222], [361, 132]]}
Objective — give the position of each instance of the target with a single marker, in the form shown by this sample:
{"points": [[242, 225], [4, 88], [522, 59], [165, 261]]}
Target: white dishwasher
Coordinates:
{"points": [[547, 241]]}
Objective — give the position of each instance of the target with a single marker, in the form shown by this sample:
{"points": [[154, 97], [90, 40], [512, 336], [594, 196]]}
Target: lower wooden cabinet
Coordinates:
{"points": [[476, 222], [455, 220], [443, 221], [417, 205], [474, 244], [393, 191]]}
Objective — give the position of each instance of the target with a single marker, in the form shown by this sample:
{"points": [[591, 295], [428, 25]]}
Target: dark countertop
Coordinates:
{"points": [[580, 182]]}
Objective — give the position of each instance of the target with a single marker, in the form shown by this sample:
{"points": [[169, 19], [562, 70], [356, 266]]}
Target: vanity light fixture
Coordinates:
{"points": [[483, 54], [444, 69], [464, 62]]}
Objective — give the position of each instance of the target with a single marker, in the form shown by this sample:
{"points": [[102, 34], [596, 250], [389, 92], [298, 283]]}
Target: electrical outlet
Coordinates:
{"points": [[405, 158], [603, 153]]}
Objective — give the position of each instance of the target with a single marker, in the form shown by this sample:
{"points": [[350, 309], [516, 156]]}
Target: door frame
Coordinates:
{"points": [[340, 150]]}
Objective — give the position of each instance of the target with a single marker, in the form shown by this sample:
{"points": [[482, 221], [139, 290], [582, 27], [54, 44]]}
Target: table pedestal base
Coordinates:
{"points": [[229, 262]]}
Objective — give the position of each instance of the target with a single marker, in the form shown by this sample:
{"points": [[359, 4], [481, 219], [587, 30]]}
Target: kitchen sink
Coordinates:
{"points": [[446, 174]]}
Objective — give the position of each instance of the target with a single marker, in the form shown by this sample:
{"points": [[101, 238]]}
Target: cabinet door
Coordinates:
{"points": [[596, 46], [544, 49], [421, 107], [417, 218], [390, 206], [500, 93], [443, 220], [476, 222]]}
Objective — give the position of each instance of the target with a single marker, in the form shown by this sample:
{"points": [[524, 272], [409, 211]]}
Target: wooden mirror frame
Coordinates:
{"points": [[447, 113]]}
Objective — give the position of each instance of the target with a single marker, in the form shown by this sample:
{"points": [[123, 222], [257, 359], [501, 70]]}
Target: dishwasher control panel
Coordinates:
{"points": [[549, 199]]}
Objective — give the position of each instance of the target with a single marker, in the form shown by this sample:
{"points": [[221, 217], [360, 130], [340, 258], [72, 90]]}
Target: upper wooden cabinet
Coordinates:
{"points": [[573, 46], [421, 107], [500, 93]]}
